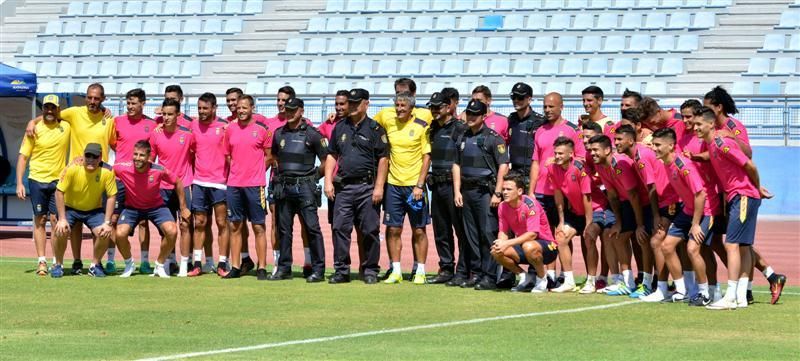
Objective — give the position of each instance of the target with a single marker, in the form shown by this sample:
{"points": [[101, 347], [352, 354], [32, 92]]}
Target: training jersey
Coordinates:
{"points": [[88, 128], [258, 118], [621, 177], [696, 145], [543, 149], [687, 182], [573, 183], [143, 190], [737, 128], [175, 152], [391, 113], [651, 171], [408, 143], [128, 132], [728, 162], [245, 144], [210, 163], [610, 131], [498, 123], [83, 190], [47, 152], [183, 120], [326, 128], [528, 216]]}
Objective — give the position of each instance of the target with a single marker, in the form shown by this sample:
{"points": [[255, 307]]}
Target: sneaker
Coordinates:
{"points": [[96, 271], [776, 282], [233, 273], [565, 287], [161, 272], [111, 267], [261, 274], [541, 287], [656, 296], [222, 269], [620, 290], [129, 269], [723, 304], [526, 286], [394, 278], [307, 271], [600, 285], [57, 271], [551, 283], [77, 268], [208, 267], [677, 297], [145, 268], [699, 300], [173, 268], [247, 265], [419, 279], [41, 269], [742, 304], [641, 291], [197, 271], [588, 287]]}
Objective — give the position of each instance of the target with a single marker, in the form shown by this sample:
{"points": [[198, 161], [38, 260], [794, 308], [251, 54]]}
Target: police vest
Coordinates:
{"points": [[443, 146], [477, 159], [295, 154], [520, 142]]}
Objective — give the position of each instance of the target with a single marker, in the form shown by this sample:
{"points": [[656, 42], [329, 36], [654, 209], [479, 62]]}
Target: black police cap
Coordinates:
{"points": [[437, 99], [476, 107], [521, 89], [294, 103], [357, 95]]}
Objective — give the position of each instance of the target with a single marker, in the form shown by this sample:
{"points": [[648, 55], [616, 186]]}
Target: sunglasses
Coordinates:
{"points": [[517, 97], [91, 156]]}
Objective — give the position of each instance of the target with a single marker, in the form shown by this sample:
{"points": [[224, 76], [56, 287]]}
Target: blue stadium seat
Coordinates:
{"points": [[419, 5], [631, 21], [477, 66], [47, 68], [687, 43], [679, 20], [386, 67], [254, 6], [110, 47], [153, 8], [194, 7], [656, 88], [296, 67], [378, 23], [557, 87], [151, 47], [382, 46], [486, 5], [318, 67], [536, 22], [468, 22], [65, 87], [623, 4], [357, 23], [374, 6], [90, 48], [607, 21], [519, 44], [403, 45], [192, 26], [634, 85], [656, 21], [317, 45], [772, 42], [792, 87], [50, 47], [54, 27], [577, 4], [108, 68], [334, 6], [614, 43], [672, 66], [88, 68], [172, 67], [430, 67], [341, 67], [566, 44], [152, 26], [212, 7], [622, 67], [742, 88], [171, 26], [583, 21], [397, 5], [769, 88], [651, 4], [495, 44], [401, 23], [453, 66], [133, 26], [149, 68], [785, 66], [597, 66], [233, 6], [190, 47], [173, 7], [44, 88], [91, 27], [664, 43], [543, 44], [274, 68], [522, 66], [719, 3], [71, 47], [385, 88], [409, 66], [639, 43], [212, 26], [591, 44], [233, 26], [72, 27], [254, 87], [572, 66], [513, 22], [360, 45], [113, 27], [427, 45], [133, 8], [432, 87], [559, 22], [608, 87], [450, 45], [491, 22], [794, 43], [318, 87], [295, 45], [552, 4], [361, 67], [335, 24], [445, 23], [75, 8], [695, 3], [423, 23], [548, 66], [473, 44], [508, 5], [94, 8], [213, 46], [171, 47], [31, 48], [440, 5], [790, 19], [337, 46], [316, 24], [758, 66], [704, 20]]}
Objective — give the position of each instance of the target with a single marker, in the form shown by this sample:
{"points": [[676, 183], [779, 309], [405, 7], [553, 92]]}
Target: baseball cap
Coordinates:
{"points": [[521, 89], [93, 149], [294, 103], [357, 95], [476, 107], [437, 99], [51, 99], [415, 204]]}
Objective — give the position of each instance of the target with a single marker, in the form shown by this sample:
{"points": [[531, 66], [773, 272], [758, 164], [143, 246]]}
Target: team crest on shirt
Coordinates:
{"points": [[217, 131], [254, 134], [383, 139], [641, 165], [685, 172], [323, 142], [151, 179], [147, 129], [619, 171], [574, 178], [726, 149], [38, 207], [532, 212], [269, 134], [501, 148], [387, 217], [182, 139], [61, 129], [97, 178], [344, 138], [583, 174], [411, 133]]}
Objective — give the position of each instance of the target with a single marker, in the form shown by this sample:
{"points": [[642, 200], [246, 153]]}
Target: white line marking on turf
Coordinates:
{"points": [[383, 332]]}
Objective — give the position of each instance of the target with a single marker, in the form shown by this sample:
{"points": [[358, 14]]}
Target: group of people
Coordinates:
{"points": [[665, 188]]}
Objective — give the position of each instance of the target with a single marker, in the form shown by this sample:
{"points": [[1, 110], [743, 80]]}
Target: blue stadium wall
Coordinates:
{"points": [[779, 168]]}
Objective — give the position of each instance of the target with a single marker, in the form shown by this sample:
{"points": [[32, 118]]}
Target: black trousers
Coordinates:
{"points": [[447, 218], [299, 199], [353, 207], [480, 227]]}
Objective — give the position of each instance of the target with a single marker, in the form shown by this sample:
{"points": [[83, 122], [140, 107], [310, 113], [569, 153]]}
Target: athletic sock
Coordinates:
{"points": [[43, 259], [223, 259], [663, 287], [647, 279], [768, 272], [702, 288], [591, 279], [680, 286], [691, 285], [552, 274], [730, 293], [741, 290], [129, 261], [396, 268], [749, 285], [197, 255], [145, 256], [245, 255], [184, 266], [307, 255], [522, 278], [627, 279], [209, 260], [112, 252], [420, 268], [569, 278], [718, 289]]}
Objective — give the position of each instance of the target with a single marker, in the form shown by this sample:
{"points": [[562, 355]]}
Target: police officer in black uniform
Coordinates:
{"points": [[522, 125], [481, 163], [295, 148], [444, 130], [360, 147]]}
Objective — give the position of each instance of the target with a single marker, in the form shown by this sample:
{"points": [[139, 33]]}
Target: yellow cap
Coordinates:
{"points": [[51, 99]]}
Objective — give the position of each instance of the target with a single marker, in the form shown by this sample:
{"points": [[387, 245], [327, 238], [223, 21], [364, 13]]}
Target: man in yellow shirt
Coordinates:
{"points": [[409, 160], [79, 200], [91, 123], [404, 85], [47, 155]]}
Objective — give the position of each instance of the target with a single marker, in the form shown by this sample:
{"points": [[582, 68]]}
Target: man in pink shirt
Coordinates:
{"points": [[626, 194], [174, 147], [144, 180], [495, 121], [740, 182], [524, 235], [693, 222], [248, 146], [582, 214], [592, 103], [655, 118], [175, 93], [209, 184], [132, 127], [725, 124]]}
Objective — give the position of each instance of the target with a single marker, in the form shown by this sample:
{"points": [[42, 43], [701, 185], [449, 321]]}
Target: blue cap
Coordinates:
{"points": [[415, 204]]}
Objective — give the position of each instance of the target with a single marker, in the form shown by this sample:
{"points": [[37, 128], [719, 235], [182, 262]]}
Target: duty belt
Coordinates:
{"points": [[296, 180], [441, 178], [357, 180], [469, 183]]}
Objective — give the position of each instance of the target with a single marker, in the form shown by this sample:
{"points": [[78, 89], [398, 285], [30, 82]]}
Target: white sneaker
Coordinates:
{"points": [[160, 272], [565, 287], [183, 271], [741, 304], [588, 288], [609, 288], [656, 296], [129, 269], [541, 287], [723, 304]]}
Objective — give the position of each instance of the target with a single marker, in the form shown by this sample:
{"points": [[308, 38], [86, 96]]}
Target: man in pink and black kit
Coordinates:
{"points": [[132, 127], [174, 148], [175, 93], [495, 121], [248, 146]]}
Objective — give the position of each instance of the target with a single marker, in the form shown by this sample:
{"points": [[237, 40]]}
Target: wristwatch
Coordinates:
{"points": [[420, 186], [498, 194]]}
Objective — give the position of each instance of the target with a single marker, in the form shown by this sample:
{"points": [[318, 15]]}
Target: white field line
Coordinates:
{"points": [[383, 332]]}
